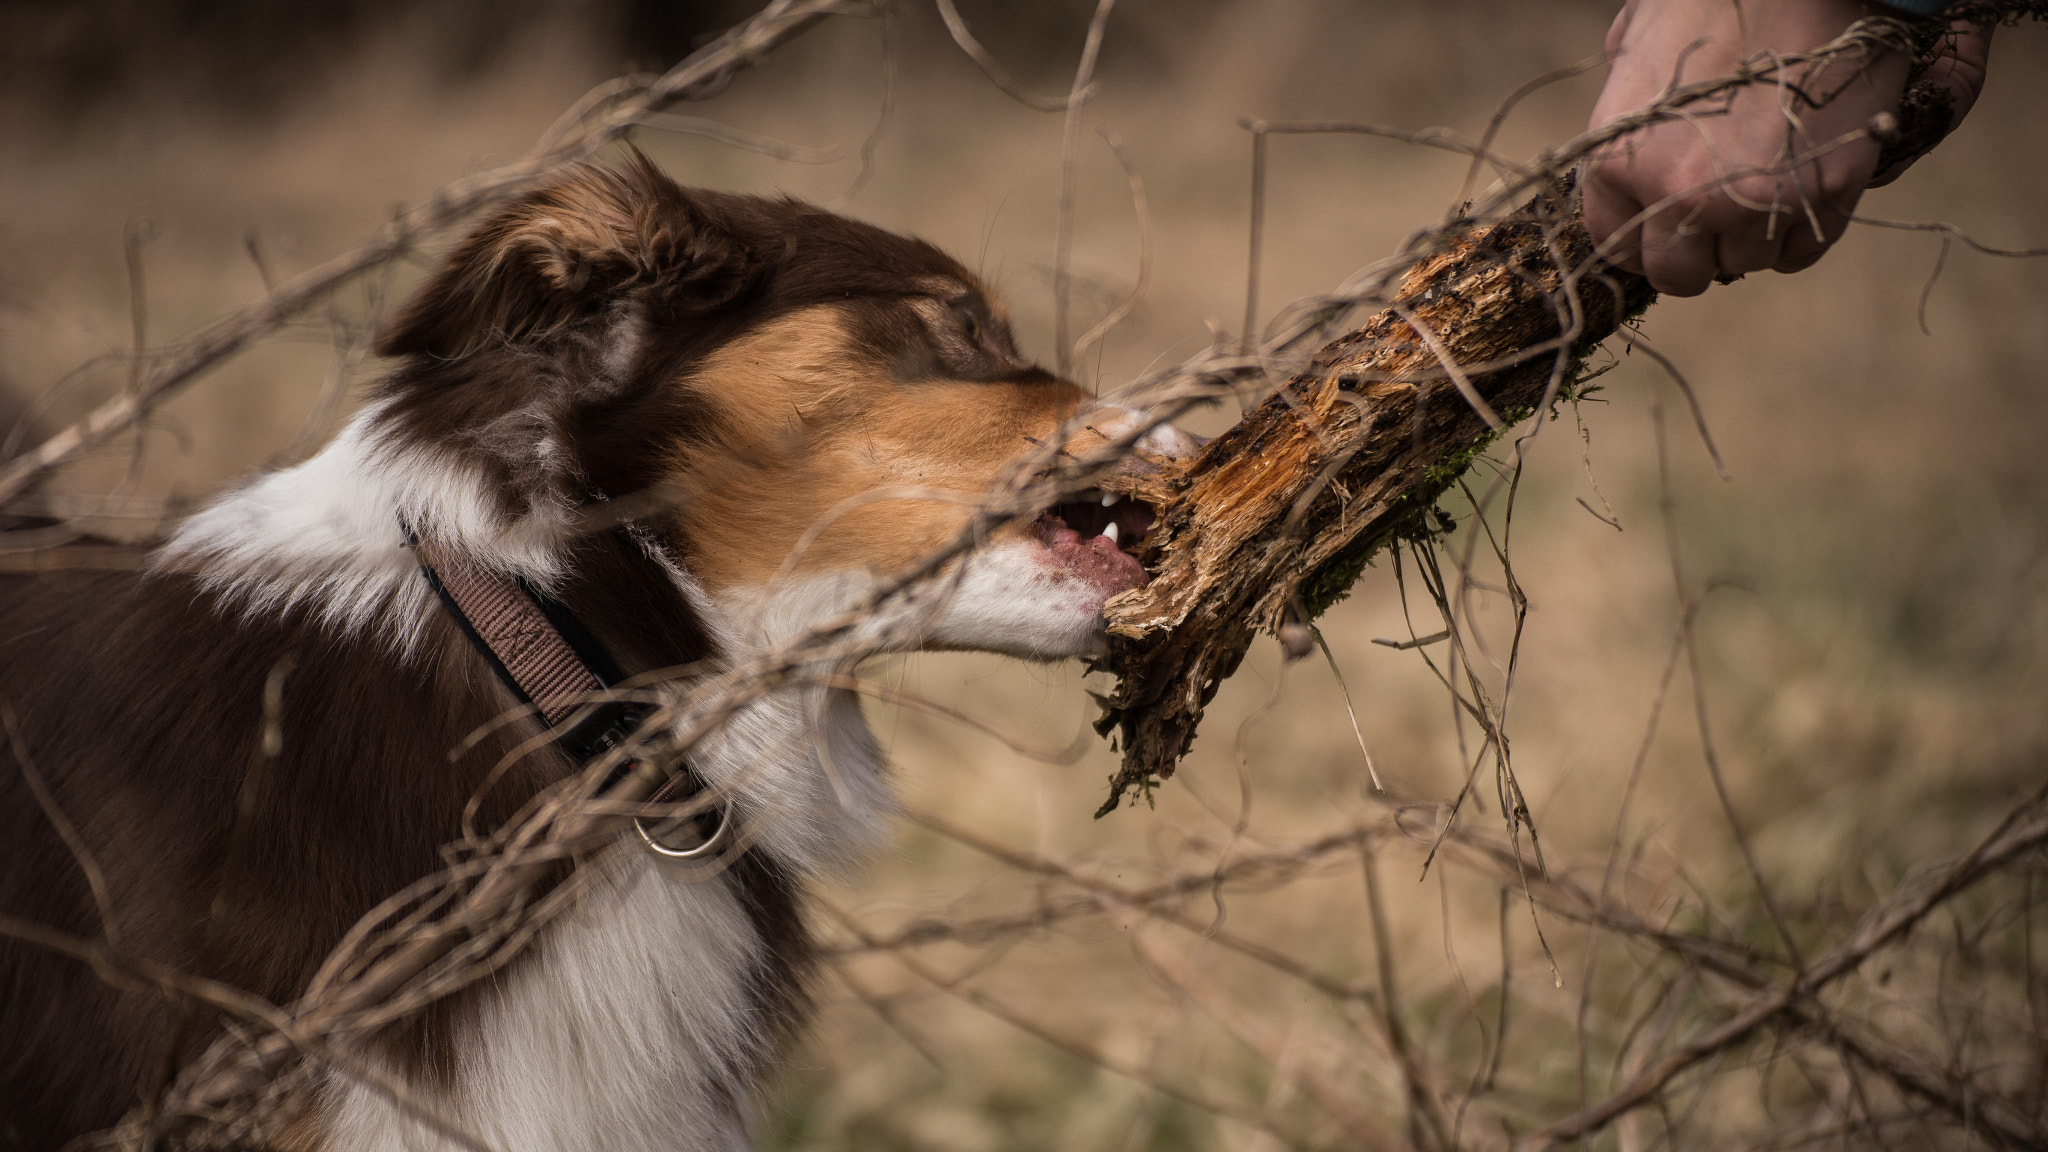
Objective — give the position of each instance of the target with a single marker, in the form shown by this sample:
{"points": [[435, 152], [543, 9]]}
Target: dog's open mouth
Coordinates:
{"points": [[1098, 536]]}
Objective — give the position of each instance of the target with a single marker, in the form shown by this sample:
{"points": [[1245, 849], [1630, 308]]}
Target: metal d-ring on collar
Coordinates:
{"points": [[664, 838], [667, 837], [551, 663]]}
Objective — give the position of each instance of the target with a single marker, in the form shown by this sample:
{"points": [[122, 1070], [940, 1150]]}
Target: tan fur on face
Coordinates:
{"points": [[811, 428]]}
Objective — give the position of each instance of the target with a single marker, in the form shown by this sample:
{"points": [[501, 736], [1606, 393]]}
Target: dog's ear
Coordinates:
{"points": [[566, 252]]}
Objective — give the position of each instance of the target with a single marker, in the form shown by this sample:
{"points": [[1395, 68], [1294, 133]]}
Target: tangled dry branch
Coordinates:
{"points": [[1477, 325]]}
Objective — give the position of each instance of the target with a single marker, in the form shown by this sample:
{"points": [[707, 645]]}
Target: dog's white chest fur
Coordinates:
{"points": [[626, 1028], [634, 1021]]}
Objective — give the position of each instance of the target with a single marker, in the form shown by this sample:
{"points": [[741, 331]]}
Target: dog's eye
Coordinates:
{"points": [[970, 325], [967, 339]]}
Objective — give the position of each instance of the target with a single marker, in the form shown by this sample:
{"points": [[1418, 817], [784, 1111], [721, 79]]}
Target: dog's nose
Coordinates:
{"points": [[1160, 440], [1170, 440]]}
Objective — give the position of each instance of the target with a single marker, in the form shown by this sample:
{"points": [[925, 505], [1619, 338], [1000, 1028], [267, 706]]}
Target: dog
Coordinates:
{"points": [[805, 383]]}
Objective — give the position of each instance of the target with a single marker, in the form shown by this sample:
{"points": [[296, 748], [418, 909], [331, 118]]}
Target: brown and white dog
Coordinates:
{"points": [[601, 337]]}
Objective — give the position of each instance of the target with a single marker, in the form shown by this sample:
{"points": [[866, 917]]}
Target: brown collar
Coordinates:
{"points": [[553, 665], [535, 645]]}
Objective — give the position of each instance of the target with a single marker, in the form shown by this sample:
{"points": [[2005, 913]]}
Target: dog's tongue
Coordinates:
{"points": [[1097, 559]]}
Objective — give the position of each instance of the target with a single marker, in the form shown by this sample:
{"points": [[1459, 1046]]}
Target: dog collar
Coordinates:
{"points": [[553, 665]]}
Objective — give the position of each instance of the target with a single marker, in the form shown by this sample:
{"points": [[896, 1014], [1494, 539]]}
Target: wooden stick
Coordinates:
{"points": [[1273, 520]]}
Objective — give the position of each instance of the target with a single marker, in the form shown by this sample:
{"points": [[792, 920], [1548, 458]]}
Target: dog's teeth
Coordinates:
{"points": [[1110, 531], [1109, 498]]}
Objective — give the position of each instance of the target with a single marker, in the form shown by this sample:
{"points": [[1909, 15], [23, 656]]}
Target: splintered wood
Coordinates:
{"points": [[1274, 519]]}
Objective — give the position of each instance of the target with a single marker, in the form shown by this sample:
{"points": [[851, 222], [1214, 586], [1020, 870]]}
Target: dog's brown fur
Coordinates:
{"points": [[784, 368]]}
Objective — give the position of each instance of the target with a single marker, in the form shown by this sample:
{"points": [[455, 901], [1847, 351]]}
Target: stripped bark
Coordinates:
{"points": [[1274, 519]]}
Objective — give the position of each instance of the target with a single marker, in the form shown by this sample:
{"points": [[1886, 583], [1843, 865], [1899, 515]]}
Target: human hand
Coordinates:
{"points": [[1770, 182]]}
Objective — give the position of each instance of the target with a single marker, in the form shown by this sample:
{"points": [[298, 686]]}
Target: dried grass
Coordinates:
{"points": [[1781, 735]]}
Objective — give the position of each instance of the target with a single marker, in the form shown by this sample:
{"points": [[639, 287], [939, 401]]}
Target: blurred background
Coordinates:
{"points": [[1873, 658]]}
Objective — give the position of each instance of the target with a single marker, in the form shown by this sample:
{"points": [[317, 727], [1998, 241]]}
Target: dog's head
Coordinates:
{"points": [[827, 402]]}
